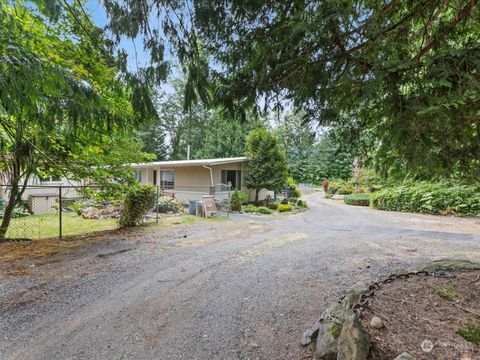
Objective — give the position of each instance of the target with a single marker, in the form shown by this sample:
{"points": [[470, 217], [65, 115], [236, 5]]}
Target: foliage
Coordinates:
{"points": [[236, 202], [273, 206], [284, 201], [68, 111], [361, 199], [266, 167], [284, 207], [291, 186], [398, 74], [257, 209], [302, 204], [169, 204], [430, 197], [471, 331], [341, 187], [138, 201], [293, 200]]}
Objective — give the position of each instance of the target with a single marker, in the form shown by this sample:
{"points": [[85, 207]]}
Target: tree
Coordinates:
{"points": [[64, 108], [266, 166], [401, 71]]}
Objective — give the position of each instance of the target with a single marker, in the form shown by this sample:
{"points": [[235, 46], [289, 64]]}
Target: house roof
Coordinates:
{"points": [[199, 162]]}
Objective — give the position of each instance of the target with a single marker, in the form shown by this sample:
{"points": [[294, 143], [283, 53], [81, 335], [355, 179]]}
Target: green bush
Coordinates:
{"points": [[138, 200], [427, 197], [292, 188], [284, 207], [302, 203], [357, 199], [236, 202], [273, 206], [346, 189], [340, 187], [284, 201], [292, 200], [252, 209]]}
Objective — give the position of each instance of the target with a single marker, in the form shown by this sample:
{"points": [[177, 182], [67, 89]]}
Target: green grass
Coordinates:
{"points": [[47, 226], [448, 292], [361, 199], [471, 332]]}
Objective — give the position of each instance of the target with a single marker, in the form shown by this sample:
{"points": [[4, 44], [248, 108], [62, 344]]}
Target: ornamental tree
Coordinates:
{"points": [[267, 166]]}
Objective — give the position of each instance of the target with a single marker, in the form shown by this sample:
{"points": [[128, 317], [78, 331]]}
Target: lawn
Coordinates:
{"points": [[47, 225]]}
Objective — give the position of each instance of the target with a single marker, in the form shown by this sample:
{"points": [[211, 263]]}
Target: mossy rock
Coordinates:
{"points": [[450, 265], [354, 341]]}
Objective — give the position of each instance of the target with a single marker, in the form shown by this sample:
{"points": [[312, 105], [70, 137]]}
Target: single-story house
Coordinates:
{"points": [[191, 179]]}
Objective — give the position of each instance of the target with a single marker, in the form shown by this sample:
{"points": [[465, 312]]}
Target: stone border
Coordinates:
{"points": [[340, 334]]}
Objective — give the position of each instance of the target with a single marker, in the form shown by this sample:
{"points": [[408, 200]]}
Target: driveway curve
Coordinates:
{"points": [[242, 289]]}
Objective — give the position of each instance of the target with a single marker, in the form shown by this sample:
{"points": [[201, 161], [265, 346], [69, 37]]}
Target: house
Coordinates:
{"points": [[191, 179]]}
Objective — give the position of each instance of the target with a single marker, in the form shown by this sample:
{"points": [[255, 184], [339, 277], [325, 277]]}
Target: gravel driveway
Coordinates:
{"points": [[243, 289]]}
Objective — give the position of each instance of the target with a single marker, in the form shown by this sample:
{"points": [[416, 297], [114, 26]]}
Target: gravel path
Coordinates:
{"points": [[243, 289]]}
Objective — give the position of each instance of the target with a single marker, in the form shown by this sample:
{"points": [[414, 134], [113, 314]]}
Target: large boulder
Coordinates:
{"points": [[327, 341], [405, 356], [354, 342]]}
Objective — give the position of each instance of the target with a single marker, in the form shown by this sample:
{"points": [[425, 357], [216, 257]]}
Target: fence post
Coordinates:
{"points": [[229, 201], [156, 207], [60, 211]]}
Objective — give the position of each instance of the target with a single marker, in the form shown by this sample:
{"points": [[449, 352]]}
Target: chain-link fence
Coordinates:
{"points": [[59, 211]]}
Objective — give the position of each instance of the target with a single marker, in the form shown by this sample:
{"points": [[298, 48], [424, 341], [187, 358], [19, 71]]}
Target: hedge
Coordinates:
{"points": [[357, 199], [432, 198]]}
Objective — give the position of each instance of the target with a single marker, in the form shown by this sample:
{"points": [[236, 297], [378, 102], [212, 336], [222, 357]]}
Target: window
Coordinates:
{"points": [[53, 178], [167, 179], [233, 177], [138, 175]]}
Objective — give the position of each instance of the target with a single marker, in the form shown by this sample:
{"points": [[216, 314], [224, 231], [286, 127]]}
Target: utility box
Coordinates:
{"points": [[43, 203]]}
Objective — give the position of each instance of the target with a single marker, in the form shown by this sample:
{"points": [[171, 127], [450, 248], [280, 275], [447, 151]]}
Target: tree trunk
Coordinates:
{"points": [[256, 196], [7, 216]]}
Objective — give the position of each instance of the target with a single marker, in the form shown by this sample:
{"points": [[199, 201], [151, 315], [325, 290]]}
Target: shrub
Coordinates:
{"points": [[302, 203], [169, 204], [252, 209], [357, 199], [236, 202], [138, 200], [427, 197], [292, 188], [273, 206], [284, 201], [284, 207], [346, 189], [292, 200]]}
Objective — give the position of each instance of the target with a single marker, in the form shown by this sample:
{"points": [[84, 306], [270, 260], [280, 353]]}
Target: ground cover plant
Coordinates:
{"points": [[430, 197], [360, 199]]}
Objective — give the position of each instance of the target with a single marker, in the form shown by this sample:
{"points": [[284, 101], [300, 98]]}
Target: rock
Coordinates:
{"points": [[353, 295], [354, 342], [336, 312], [91, 213], [338, 197], [376, 322], [327, 341], [449, 265], [310, 334], [405, 356]]}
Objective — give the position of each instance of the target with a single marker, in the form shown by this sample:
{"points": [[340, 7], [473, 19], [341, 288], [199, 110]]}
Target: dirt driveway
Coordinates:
{"points": [[243, 289]]}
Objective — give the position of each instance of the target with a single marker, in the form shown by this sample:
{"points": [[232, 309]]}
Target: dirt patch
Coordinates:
{"points": [[430, 317]]}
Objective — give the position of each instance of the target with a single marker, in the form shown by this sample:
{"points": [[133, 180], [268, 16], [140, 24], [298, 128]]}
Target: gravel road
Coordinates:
{"points": [[242, 289]]}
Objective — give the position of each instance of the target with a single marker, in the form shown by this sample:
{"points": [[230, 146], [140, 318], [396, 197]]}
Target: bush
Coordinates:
{"points": [[292, 200], [284, 207], [273, 206], [346, 189], [252, 209], [357, 199], [236, 202], [302, 203], [284, 201], [169, 204], [292, 188], [427, 197], [138, 200]]}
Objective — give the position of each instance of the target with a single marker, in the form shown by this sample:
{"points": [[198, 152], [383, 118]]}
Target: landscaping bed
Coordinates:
{"points": [[428, 316]]}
